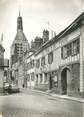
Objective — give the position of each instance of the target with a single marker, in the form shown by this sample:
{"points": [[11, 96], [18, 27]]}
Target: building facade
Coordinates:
{"points": [[59, 63], [30, 67], [20, 43], [2, 50], [30, 73]]}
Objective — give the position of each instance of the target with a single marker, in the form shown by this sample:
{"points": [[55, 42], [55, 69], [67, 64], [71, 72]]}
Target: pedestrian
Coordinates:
{"points": [[23, 85]]}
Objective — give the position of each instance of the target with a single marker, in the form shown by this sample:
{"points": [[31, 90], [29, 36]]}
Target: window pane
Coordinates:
{"points": [[38, 63], [78, 45], [36, 79], [64, 51], [74, 48], [69, 49], [50, 58], [43, 61]]}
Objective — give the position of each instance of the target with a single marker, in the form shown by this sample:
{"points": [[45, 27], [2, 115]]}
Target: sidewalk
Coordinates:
{"points": [[66, 97]]}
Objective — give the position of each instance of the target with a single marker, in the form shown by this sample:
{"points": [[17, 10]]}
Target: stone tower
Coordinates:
{"points": [[45, 36], [20, 43], [19, 23]]}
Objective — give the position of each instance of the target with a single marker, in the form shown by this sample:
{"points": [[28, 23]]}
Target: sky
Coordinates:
{"points": [[36, 14]]}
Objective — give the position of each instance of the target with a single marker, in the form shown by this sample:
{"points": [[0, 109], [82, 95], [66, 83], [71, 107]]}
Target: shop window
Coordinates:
{"points": [[55, 79], [32, 76], [46, 78], [50, 57], [28, 77], [38, 63], [40, 78], [42, 61]]}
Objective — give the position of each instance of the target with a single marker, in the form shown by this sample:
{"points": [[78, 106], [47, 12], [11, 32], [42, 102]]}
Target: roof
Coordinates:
{"points": [[1, 48], [73, 26], [20, 36]]}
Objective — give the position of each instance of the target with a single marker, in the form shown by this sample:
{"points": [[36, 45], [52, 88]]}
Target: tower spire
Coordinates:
{"points": [[19, 23], [1, 39], [19, 12]]}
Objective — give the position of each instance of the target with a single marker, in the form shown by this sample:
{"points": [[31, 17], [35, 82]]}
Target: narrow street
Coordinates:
{"points": [[33, 104]]}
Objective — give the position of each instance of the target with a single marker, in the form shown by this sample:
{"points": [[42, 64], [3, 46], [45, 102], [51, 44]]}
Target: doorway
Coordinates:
{"points": [[65, 80]]}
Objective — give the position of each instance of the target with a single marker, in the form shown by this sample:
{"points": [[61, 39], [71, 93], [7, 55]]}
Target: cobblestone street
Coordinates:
{"points": [[35, 104], [32, 113]]}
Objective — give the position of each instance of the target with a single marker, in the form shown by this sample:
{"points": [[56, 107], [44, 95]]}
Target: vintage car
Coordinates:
{"points": [[5, 87], [13, 88]]}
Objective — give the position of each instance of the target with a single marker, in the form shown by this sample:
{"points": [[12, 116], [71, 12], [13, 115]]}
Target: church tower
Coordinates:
{"points": [[19, 23], [20, 43]]}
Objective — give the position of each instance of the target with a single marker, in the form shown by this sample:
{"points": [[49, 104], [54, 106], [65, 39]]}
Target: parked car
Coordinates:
{"points": [[13, 88], [5, 87]]}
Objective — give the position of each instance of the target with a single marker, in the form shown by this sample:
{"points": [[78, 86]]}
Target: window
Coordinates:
{"points": [[36, 79], [42, 61], [74, 47], [46, 77], [55, 79], [50, 57], [78, 45], [38, 63], [28, 65], [32, 76], [40, 78], [32, 63], [28, 77], [70, 49], [64, 51]]}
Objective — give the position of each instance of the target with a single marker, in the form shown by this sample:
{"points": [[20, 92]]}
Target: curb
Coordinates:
{"points": [[81, 100], [65, 97]]}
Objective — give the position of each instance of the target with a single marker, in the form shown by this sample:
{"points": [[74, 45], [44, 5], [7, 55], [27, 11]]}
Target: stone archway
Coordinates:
{"points": [[65, 80]]}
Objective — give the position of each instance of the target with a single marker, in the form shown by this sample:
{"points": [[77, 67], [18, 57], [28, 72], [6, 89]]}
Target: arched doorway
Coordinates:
{"points": [[65, 80]]}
